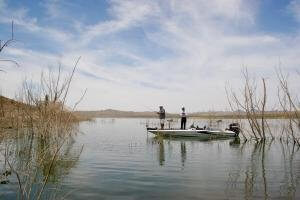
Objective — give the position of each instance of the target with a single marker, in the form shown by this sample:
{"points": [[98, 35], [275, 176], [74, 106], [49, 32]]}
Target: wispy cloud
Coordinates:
{"points": [[53, 9], [124, 15], [150, 52], [294, 7], [31, 24]]}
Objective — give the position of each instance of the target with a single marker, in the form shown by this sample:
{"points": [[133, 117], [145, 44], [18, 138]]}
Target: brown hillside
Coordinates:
{"points": [[14, 113], [120, 114]]}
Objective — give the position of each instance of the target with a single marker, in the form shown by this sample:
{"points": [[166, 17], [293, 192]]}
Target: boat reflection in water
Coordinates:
{"points": [[246, 170], [171, 142]]}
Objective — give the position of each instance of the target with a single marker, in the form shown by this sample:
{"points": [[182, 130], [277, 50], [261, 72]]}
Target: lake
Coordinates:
{"points": [[120, 160]]}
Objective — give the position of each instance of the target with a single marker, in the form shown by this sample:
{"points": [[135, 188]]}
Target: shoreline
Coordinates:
{"points": [[271, 115]]}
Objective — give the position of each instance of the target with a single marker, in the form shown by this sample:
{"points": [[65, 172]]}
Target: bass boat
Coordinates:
{"points": [[201, 133]]}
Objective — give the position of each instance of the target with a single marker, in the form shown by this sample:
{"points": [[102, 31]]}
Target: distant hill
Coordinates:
{"points": [[146, 114], [7, 101], [121, 114], [7, 105], [111, 113]]}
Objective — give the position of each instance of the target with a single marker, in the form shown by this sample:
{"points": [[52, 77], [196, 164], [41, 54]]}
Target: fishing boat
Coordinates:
{"points": [[201, 133]]}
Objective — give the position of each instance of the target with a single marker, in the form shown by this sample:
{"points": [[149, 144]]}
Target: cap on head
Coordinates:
{"points": [[183, 108], [160, 106]]}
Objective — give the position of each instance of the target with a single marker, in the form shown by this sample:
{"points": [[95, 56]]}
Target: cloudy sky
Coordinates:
{"points": [[138, 54]]}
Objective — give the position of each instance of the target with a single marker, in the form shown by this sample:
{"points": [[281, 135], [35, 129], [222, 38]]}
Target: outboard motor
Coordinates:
{"points": [[235, 127]]}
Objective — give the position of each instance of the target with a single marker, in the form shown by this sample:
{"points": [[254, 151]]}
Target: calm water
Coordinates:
{"points": [[121, 161]]}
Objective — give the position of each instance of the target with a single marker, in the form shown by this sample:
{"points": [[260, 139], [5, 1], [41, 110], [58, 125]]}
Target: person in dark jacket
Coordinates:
{"points": [[162, 116], [183, 118]]}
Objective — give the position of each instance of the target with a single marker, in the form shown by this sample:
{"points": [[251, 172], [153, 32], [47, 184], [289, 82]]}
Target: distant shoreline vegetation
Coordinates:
{"points": [[111, 113]]}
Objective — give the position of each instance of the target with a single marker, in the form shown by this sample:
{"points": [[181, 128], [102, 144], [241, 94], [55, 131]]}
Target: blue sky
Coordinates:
{"points": [[138, 54]]}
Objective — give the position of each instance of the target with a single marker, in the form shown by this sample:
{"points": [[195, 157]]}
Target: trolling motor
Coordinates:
{"points": [[235, 127]]}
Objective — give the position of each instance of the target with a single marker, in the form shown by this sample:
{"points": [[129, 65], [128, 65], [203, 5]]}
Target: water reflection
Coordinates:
{"points": [[161, 152], [117, 164], [292, 170], [257, 170], [235, 142], [182, 153], [267, 172], [161, 142], [38, 162]]}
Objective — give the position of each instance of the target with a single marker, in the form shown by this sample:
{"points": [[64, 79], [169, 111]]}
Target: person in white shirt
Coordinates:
{"points": [[183, 118]]}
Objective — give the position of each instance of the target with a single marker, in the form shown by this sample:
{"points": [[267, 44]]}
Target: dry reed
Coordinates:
{"points": [[252, 104], [42, 129]]}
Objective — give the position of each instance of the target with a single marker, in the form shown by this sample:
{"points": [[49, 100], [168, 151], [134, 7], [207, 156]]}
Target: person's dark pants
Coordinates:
{"points": [[183, 122]]}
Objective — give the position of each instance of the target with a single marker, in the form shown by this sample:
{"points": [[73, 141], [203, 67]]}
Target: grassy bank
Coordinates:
{"points": [[17, 114]]}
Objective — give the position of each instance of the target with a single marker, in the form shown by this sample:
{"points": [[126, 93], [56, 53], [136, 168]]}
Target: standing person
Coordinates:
{"points": [[162, 115], [183, 118]]}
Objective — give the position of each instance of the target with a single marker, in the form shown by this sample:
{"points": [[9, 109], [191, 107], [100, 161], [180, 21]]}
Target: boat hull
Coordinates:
{"points": [[201, 134]]}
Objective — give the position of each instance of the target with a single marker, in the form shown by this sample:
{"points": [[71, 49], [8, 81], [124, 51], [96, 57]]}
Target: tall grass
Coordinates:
{"points": [[42, 129]]}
